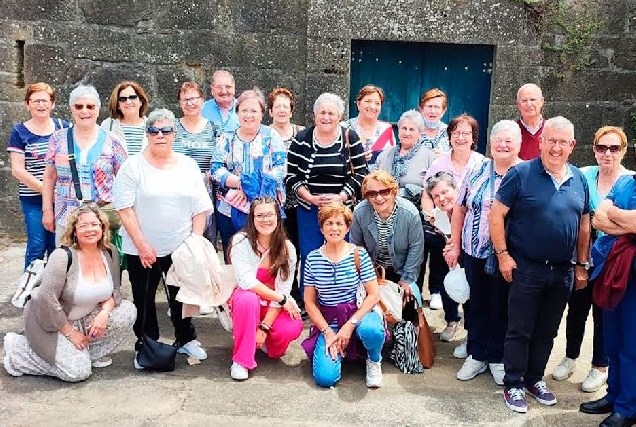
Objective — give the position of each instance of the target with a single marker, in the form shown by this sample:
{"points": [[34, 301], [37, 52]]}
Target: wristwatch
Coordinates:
{"points": [[353, 320], [585, 265]]}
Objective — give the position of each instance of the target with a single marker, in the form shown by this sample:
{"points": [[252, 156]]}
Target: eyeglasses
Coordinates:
{"points": [[88, 225], [40, 101], [80, 107], [226, 87], [432, 107], [264, 216], [552, 142], [457, 134], [601, 148], [154, 131], [372, 194], [250, 111], [193, 100], [127, 98]]}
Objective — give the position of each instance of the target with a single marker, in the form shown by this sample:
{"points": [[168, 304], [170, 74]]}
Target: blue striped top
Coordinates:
{"points": [[198, 146], [337, 282], [134, 136]]}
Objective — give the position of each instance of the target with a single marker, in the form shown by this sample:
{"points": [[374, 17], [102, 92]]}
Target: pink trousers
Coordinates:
{"points": [[247, 313]]}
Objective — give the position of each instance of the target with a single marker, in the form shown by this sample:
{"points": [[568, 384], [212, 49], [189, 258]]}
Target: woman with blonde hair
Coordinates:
{"points": [[76, 317]]}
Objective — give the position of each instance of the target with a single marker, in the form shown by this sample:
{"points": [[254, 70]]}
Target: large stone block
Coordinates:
{"points": [[318, 83], [48, 63], [105, 76], [215, 49], [34, 10], [153, 48], [116, 12], [15, 30], [518, 56], [272, 16], [271, 51], [168, 81], [587, 84], [506, 80], [329, 56], [215, 15]]}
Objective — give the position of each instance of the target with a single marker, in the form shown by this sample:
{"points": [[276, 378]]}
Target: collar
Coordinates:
{"points": [[532, 130]]}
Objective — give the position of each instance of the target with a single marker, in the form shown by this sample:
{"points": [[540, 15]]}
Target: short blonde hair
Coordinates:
{"points": [[334, 209], [601, 132], [69, 238], [384, 178]]}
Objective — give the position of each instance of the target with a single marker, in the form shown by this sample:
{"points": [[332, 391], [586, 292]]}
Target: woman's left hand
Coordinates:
{"points": [[292, 308], [238, 199], [260, 338], [342, 338], [98, 326]]}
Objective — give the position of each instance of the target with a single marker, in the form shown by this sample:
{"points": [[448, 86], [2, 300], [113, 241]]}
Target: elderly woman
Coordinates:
{"points": [[333, 274], [375, 134], [161, 199], [253, 152], [433, 107], [610, 147], [264, 314], [27, 147], [127, 106], [470, 239], [76, 317], [98, 155], [462, 131], [390, 229], [325, 164]]}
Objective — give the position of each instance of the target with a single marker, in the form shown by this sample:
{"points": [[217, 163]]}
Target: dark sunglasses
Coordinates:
{"points": [[154, 131], [601, 148], [373, 194], [80, 107], [127, 98]]}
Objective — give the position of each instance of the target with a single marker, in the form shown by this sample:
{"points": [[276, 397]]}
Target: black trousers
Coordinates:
{"points": [[578, 309], [145, 301]]}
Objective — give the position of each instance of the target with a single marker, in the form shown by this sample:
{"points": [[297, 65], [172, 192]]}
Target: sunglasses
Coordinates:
{"points": [[373, 194], [154, 131], [601, 148], [127, 98], [80, 107]]}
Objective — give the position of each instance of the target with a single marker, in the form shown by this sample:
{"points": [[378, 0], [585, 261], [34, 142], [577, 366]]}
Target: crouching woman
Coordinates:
{"points": [[265, 316], [76, 318], [332, 278]]}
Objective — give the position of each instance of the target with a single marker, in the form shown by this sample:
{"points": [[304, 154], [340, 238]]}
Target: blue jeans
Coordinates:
{"points": [[40, 242], [537, 299], [370, 330], [620, 348], [309, 237]]}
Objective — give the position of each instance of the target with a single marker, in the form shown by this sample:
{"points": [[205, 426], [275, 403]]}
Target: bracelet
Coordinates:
{"points": [[265, 328], [283, 301], [68, 336], [107, 311], [323, 330], [503, 251]]}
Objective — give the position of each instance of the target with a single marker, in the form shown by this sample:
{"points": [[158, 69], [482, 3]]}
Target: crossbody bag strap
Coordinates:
{"points": [[356, 258], [348, 145], [70, 148]]}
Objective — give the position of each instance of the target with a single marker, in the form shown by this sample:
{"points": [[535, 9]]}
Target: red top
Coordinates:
{"points": [[263, 276], [529, 142]]}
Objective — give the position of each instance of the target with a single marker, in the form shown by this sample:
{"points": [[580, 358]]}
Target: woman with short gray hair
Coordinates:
{"points": [[161, 199], [470, 241], [325, 164], [98, 157]]}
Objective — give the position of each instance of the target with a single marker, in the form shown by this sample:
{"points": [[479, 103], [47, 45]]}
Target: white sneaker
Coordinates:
{"points": [[498, 372], [461, 351], [471, 368], [564, 370], [238, 372], [374, 374], [595, 379], [137, 365], [450, 332], [436, 302], [193, 349], [102, 363]]}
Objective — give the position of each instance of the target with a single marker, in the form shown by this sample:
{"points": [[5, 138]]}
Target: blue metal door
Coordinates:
{"points": [[406, 70]]}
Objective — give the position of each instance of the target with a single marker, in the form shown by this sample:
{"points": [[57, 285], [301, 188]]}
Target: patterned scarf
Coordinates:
{"points": [[401, 163]]}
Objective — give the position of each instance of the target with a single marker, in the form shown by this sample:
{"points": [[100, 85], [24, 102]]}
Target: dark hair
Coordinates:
{"points": [[279, 255], [464, 118], [113, 102]]}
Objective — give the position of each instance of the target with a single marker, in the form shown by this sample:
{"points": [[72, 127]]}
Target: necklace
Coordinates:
{"points": [[261, 248]]}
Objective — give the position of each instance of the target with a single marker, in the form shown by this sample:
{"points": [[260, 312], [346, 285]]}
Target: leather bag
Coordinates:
{"points": [[425, 343]]}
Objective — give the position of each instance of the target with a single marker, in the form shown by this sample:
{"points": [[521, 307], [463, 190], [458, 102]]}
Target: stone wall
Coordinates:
{"points": [[301, 44]]}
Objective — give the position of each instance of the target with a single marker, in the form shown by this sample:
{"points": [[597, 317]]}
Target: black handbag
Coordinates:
{"points": [[152, 354]]}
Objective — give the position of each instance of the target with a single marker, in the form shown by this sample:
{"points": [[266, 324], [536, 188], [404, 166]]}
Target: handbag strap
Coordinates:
{"points": [[356, 258], [70, 148], [348, 145], [492, 180], [165, 287]]}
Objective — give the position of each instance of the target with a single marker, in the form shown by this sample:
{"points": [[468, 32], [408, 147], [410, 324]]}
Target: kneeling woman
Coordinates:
{"points": [[332, 278], [264, 314], [76, 317]]}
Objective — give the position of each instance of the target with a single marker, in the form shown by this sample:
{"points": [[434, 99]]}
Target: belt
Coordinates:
{"points": [[549, 264]]}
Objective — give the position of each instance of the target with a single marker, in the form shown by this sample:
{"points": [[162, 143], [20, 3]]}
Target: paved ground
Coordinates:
{"points": [[278, 393]]}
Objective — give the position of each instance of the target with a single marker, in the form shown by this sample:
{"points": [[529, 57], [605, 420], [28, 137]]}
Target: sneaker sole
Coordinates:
{"points": [[516, 408], [373, 385], [479, 372], [592, 389], [560, 378]]}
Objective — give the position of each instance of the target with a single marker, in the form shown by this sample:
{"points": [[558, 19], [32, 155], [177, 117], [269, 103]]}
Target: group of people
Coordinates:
{"points": [[326, 204]]}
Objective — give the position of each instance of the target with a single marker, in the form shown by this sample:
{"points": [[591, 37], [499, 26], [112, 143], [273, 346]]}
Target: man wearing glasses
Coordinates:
{"points": [[545, 205], [530, 103], [220, 109]]}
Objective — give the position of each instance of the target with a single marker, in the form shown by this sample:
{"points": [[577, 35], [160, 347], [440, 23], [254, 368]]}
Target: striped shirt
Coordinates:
{"points": [[199, 146], [337, 282], [325, 169], [135, 136], [34, 148], [385, 231]]}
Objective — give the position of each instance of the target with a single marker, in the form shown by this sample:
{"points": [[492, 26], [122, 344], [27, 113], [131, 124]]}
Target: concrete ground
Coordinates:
{"points": [[279, 392]]}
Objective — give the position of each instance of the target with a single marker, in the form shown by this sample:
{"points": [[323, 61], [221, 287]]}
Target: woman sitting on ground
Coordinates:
{"points": [[332, 278], [76, 317], [265, 316]]}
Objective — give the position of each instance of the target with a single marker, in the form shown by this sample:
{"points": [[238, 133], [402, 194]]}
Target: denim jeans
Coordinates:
{"points": [[309, 237], [40, 242], [537, 299], [370, 330], [578, 309]]}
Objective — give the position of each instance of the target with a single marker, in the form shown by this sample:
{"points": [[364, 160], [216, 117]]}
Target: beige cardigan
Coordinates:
{"points": [[46, 313]]}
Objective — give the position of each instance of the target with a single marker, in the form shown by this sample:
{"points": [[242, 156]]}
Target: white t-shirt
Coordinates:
{"points": [[89, 294], [164, 201]]}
